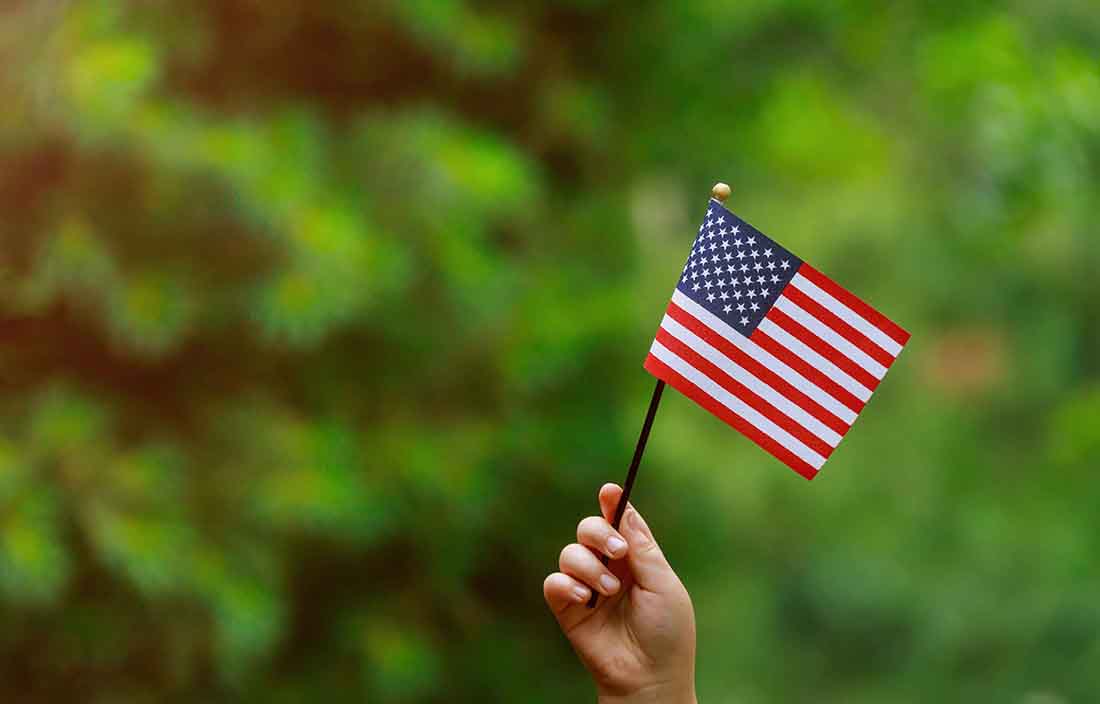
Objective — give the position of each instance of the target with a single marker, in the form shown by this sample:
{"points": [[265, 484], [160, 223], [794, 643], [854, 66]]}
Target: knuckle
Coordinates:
{"points": [[569, 554], [650, 549], [590, 526]]}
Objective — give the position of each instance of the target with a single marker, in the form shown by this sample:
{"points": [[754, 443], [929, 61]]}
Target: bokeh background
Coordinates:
{"points": [[322, 322]]}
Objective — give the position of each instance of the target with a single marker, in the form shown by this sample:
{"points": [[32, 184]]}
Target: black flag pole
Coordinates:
{"points": [[720, 191], [632, 473]]}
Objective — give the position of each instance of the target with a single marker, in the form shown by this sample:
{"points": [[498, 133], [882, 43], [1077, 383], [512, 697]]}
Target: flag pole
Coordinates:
{"points": [[720, 192]]}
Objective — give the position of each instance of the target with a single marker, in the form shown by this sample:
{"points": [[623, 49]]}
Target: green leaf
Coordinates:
{"points": [[107, 78], [34, 561]]}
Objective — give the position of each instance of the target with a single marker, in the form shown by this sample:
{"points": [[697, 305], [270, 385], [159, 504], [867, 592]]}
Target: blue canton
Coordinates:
{"points": [[734, 270]]}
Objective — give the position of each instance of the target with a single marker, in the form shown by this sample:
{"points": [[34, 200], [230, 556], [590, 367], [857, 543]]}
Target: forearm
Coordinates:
{"points": [[656, 694]]}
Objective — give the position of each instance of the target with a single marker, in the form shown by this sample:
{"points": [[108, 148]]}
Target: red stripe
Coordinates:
{"points": [[829, 319], [872, 316], [742, 392], [802, 367], [757, 369], [671, 377], [805, 336]]}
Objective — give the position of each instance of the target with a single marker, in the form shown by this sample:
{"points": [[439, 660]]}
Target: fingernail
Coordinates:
{"points": [[580, 594], [615, 545], [609, 583]]}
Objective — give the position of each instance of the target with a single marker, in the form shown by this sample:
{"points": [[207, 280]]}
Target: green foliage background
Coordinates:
{"points": [[321, 323]]}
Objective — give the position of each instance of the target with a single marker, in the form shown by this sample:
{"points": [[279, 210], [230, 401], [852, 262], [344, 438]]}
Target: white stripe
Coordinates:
{"points": [[736, 405], [753, 383], [765, 358], [831, 336], [857, 321], [812, 358]]}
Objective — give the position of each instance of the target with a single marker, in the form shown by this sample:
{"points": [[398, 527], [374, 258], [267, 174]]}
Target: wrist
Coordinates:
{"points": [[665, 693]]}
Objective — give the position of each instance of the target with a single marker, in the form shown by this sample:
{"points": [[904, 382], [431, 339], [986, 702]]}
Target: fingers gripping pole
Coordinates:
{"points": [[632, 473]]}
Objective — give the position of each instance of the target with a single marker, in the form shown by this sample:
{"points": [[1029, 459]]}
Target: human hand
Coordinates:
{"points": [[639, 641]]}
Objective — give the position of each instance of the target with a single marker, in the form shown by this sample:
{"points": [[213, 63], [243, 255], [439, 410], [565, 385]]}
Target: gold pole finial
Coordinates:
{"points": [[721, 191]]}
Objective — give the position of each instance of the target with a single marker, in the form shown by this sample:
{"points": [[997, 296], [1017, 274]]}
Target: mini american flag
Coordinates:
{"points": [[769, 344]]}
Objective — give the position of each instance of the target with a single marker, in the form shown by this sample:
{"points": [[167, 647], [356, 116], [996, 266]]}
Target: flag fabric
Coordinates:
{"points": [[769, 344]]}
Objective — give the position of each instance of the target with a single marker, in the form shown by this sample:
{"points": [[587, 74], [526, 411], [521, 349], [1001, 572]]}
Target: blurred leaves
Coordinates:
{"points": [[107, 78], [34, 566], [324, 321], [401, 664], [475, 41]]}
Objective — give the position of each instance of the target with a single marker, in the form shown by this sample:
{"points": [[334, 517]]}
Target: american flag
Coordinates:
{"points": [[769, 344]]}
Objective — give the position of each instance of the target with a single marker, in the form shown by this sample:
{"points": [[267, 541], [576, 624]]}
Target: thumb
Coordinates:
{"points": [[647, 563]]}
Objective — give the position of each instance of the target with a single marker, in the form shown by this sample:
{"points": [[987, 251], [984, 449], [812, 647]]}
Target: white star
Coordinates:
{"points": [[724, 296], [757, 266], [752, 293], [713, 246], [744, 321], [768, 252], [736, 295], [726, 309], [752, 240], [706, 272], [754, 307], [771, 266], [755, 254], [728, 256], [740, 307], [759, 279], [709, 221], [748, 281], [725, 244], [764, 292], [710, 298], [695, 287], [785, 265], [721, 283], [775, 279], [721, 219], [740, 254], [744, 267], [684, 280], [736, 228], [709, 211], [731, 268], [736, 243], [694, 275]]}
